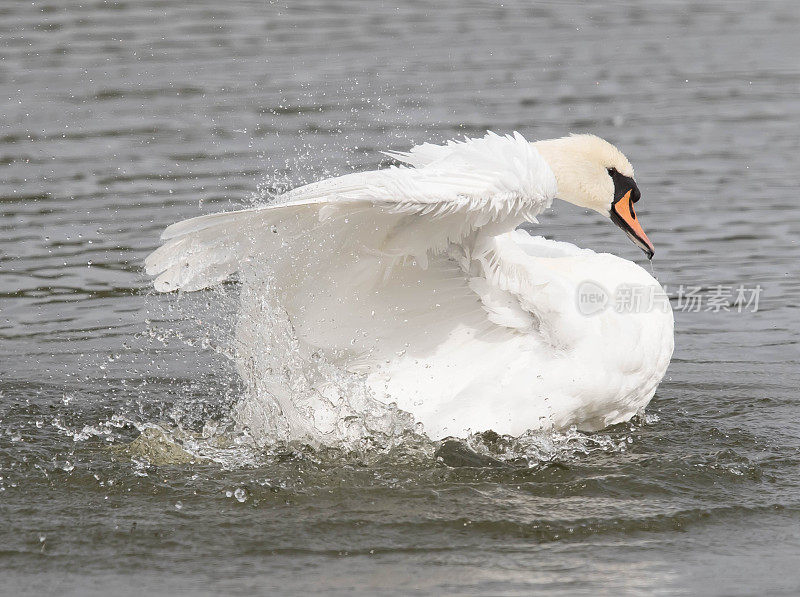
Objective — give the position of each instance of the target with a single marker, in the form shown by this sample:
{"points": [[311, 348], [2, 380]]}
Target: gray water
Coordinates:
{"points": [[119, 118]]}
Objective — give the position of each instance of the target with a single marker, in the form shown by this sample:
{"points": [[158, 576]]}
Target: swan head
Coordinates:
{"points": [[592, 173]]}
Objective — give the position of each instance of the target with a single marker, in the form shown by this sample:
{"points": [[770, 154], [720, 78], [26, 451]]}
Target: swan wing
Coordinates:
{"points": [[399, 212]]}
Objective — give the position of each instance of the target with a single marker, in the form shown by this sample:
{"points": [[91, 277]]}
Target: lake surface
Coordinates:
{"points": [[119, 118]]}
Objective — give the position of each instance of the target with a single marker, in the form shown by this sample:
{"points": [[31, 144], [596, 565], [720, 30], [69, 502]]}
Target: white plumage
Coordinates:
{"points": [[415, 278]]}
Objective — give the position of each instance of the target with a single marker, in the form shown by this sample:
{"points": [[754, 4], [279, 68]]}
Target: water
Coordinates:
{"points": [[120, 470]]}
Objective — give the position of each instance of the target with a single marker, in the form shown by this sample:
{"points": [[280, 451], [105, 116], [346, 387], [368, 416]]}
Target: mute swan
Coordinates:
{"points": [[416, 278]]}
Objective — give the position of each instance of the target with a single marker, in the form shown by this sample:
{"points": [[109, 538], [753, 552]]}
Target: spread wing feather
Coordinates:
{"points": [[446, 193]]}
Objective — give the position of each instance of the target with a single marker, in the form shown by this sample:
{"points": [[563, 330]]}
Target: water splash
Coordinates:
{"points": [[293, 392], [535, 447]]}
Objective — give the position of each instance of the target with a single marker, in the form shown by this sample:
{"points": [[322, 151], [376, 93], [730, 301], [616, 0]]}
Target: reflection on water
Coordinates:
{"points": [[121, 464]]}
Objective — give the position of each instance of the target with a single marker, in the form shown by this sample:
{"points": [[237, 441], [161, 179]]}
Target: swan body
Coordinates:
{"points": [[416, 280]]}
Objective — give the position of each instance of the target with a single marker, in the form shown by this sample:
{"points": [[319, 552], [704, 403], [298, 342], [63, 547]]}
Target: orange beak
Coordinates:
{"points": [[622, 215]]}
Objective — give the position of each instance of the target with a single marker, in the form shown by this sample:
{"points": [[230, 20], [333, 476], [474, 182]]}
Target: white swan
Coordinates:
{"points": [[416, 278]]}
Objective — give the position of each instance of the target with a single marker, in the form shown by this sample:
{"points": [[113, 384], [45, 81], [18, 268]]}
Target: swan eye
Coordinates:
{"points": [[622, 185]]}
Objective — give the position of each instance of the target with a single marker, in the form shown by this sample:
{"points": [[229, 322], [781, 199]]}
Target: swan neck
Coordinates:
{"points": [[557, 157]]}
